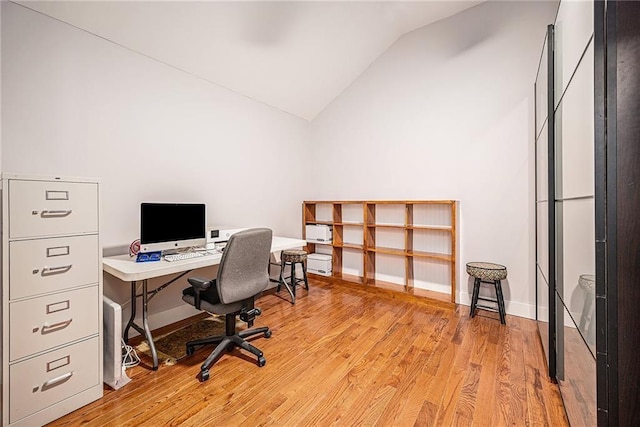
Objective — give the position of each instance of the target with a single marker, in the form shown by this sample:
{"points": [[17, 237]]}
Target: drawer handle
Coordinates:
{"points": [[57, 380], [47, 271], [46, 328], [56, 213]]}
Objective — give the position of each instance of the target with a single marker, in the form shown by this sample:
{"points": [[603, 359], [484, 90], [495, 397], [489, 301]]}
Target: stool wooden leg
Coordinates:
{"points": [[500, 298], [304, 274], [294, 282], [474, 298]]}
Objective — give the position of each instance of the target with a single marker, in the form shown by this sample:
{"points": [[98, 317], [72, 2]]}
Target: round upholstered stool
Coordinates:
{"points": [[292, 258], [487, 272], [587, 282]]}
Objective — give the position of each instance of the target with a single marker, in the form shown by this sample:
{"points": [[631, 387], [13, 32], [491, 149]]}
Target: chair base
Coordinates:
{"points": [[228, 342]]}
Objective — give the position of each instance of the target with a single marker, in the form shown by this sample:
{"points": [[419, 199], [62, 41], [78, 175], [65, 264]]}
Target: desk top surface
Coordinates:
{"points": [[125, 268]]}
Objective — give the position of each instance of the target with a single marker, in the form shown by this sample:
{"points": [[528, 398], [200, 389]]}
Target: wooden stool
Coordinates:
{"points": [[293, 257], [487, 272]]}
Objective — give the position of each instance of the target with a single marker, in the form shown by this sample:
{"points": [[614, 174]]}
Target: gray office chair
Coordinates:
{"points": [[242, 276]]}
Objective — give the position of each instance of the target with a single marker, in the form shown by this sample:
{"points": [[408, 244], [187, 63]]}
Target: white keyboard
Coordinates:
{"points": [[180, 257]]}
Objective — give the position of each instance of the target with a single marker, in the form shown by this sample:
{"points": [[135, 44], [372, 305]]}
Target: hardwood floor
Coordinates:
{"points": [[347, 355]]}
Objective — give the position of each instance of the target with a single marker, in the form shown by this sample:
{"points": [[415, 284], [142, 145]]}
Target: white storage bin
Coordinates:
{"points": [[319, 233], [319, 264]]}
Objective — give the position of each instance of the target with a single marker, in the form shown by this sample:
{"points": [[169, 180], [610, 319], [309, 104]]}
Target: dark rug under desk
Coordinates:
{"points": [[171, 347]]}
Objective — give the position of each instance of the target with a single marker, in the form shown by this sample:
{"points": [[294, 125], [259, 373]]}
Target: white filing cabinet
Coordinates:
{"points": [[51, 297]]}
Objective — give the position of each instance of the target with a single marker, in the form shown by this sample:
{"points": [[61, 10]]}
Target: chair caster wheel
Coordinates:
{"points": [[262, 361], [190, 350], [267, 334], [204, 375]]}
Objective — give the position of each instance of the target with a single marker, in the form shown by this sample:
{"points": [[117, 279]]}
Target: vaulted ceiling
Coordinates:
{"points": [[294, 56]]}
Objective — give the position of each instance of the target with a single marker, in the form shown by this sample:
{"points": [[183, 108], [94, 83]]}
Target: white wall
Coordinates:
{"points": [[447, 113], [74, 104]]}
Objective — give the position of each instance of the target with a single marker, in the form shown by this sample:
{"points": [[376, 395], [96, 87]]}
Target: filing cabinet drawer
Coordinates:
{"points": [[38, 324], [46, 265], [52, 377], [39, 208]]}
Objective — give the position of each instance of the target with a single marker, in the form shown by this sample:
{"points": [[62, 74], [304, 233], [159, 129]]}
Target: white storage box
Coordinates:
{"points": [[319, 233], [319, 264]]}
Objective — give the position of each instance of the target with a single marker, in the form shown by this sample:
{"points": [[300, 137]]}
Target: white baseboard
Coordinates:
{"points": [[513, 308]]}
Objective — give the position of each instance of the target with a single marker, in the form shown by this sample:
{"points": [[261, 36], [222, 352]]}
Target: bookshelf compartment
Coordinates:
{"points": [[324, 213], [390, 239], [430, 215], [352, 262], [390, 270], [353, 236], [424, 240], [390, 214], [430, 275], [352, 213]]}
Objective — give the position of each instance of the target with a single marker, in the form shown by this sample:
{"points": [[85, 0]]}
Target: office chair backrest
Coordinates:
{"points": [[243, 271]]}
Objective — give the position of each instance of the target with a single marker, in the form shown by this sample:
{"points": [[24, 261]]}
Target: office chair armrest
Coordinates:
{"points": [[199, 284]]}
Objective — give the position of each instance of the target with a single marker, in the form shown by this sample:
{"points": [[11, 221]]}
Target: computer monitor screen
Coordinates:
{"points": [[165, 226]]}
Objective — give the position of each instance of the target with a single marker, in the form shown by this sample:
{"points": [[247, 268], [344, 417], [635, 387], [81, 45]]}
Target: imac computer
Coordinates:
{"points": [[170, 226]]}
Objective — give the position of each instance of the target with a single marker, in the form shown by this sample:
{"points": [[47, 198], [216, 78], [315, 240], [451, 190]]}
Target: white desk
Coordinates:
{"points": [[125, 268]]}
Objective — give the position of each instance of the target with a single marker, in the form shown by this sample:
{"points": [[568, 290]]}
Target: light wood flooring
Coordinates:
{"points": [[347, 355]]}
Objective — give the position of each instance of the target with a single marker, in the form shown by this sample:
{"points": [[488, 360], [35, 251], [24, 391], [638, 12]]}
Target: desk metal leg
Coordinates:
{"points": [[145, 320], [145, 324], [133, 312]]}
